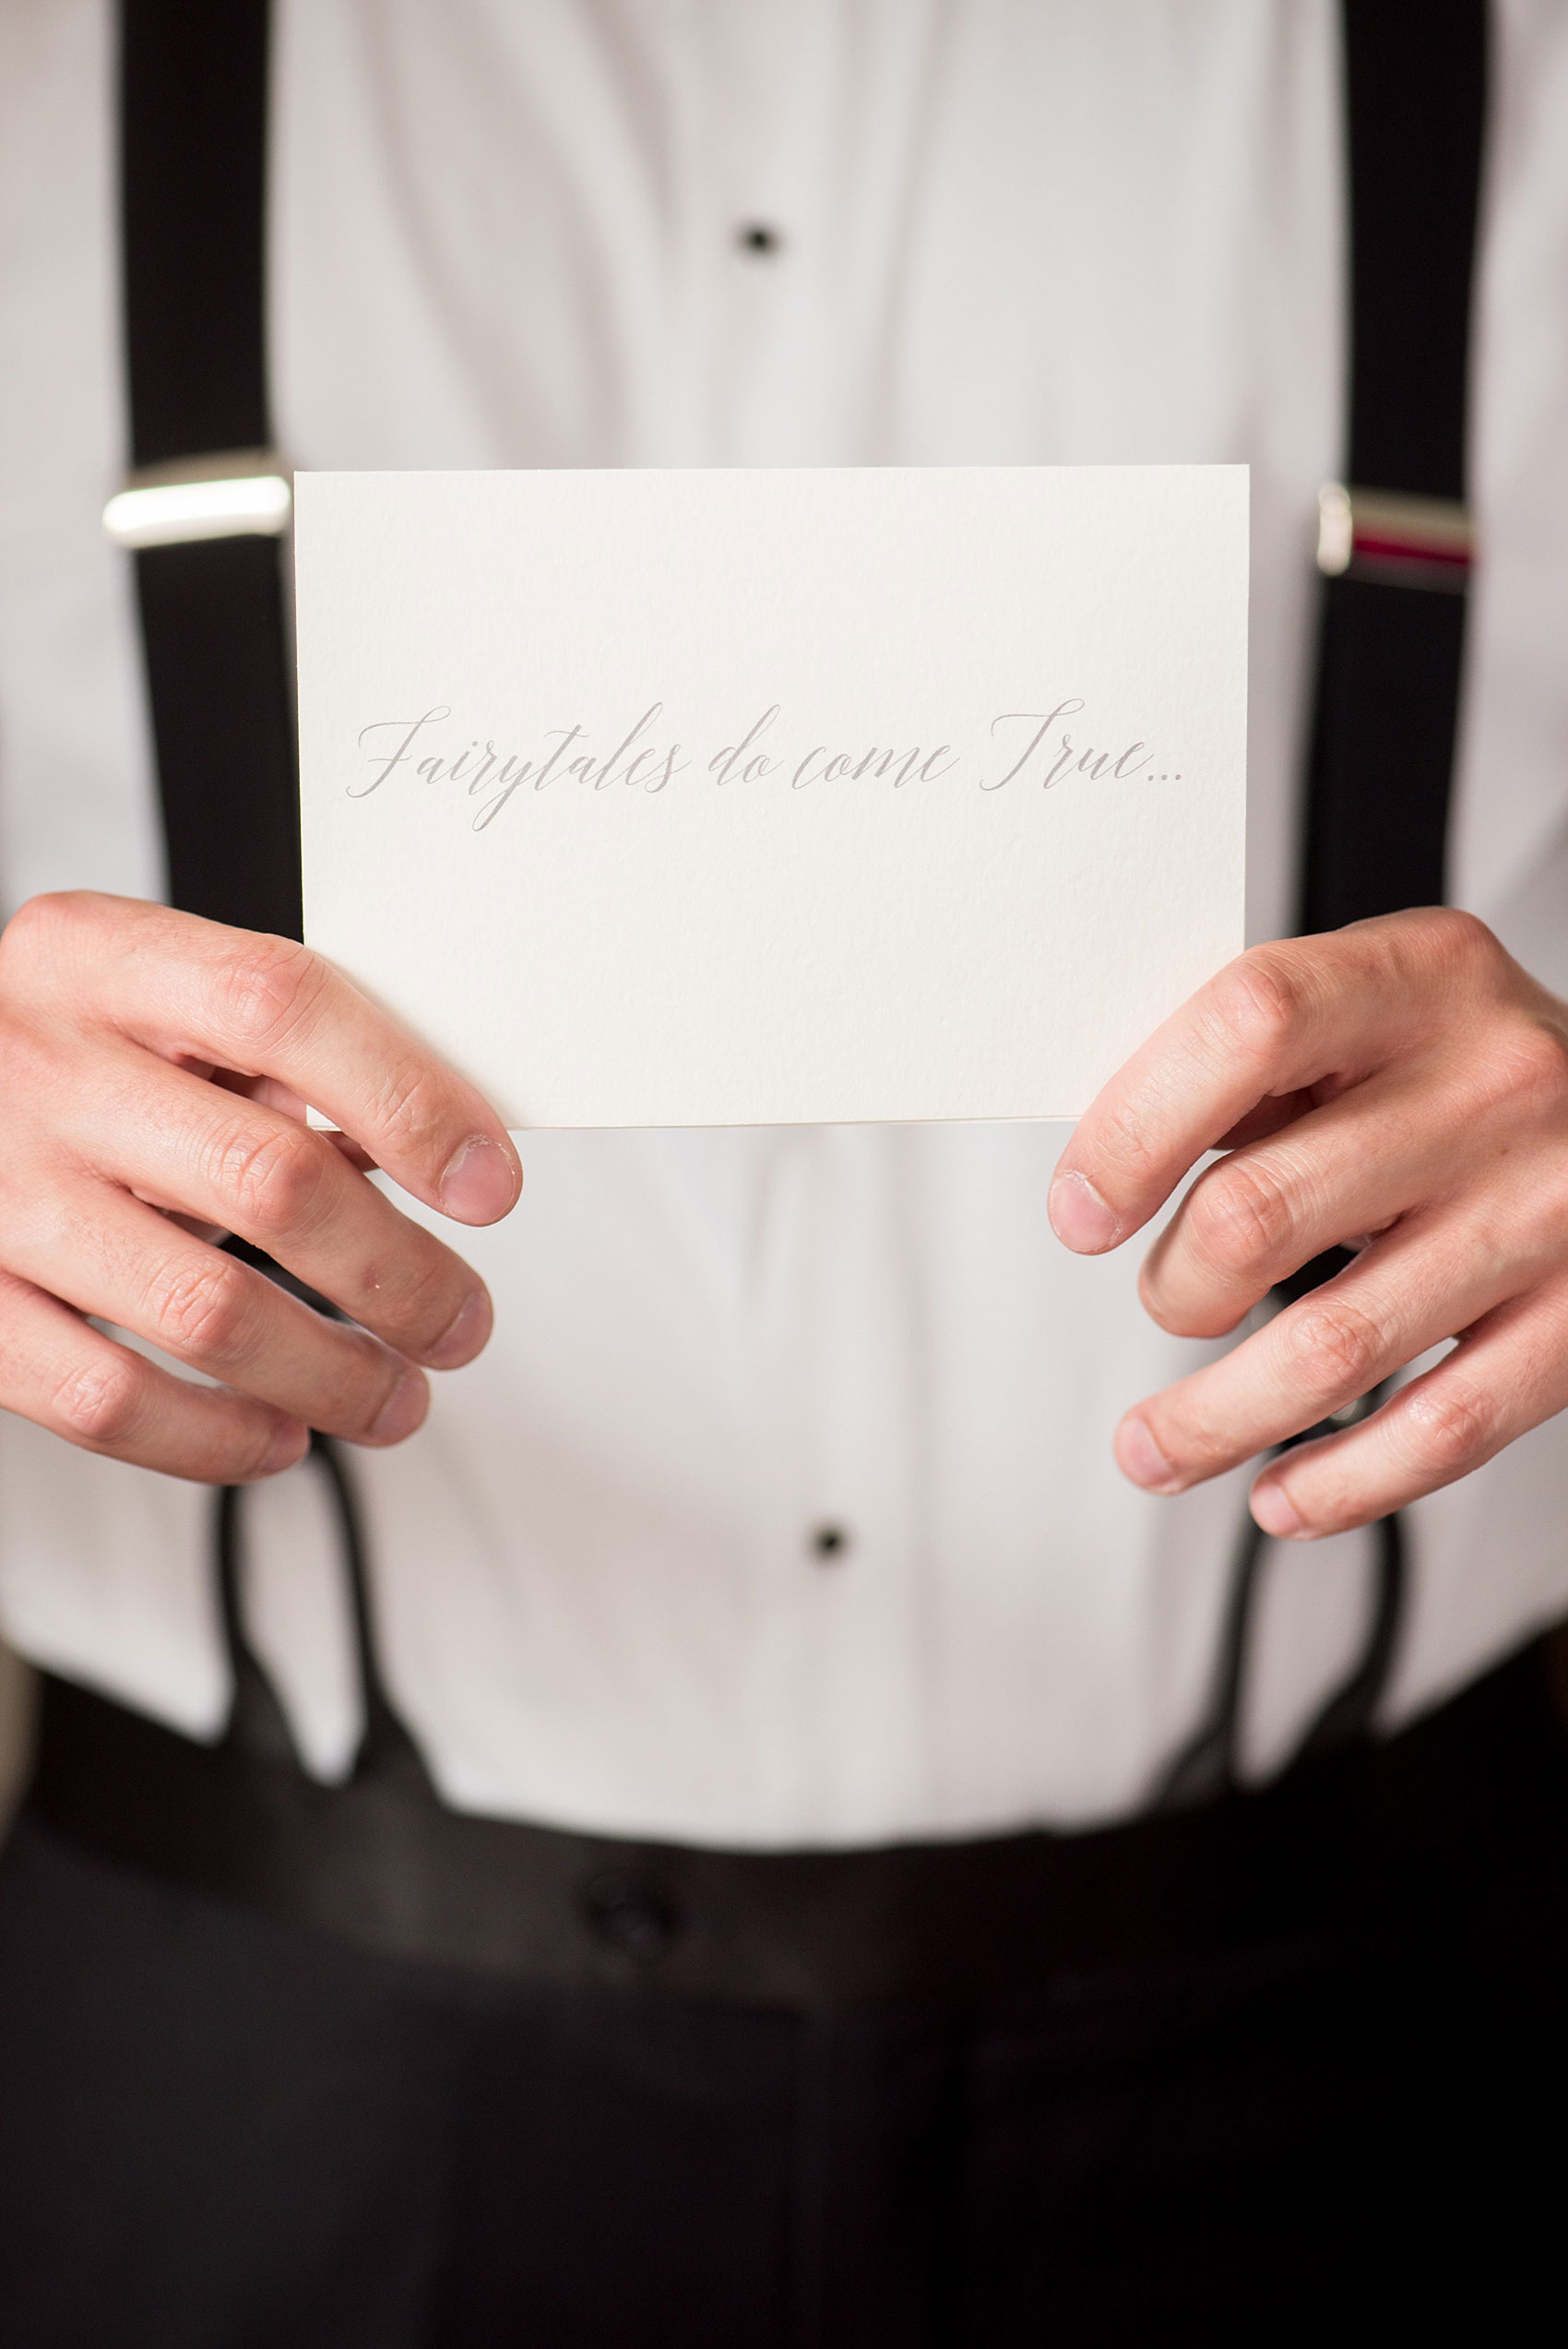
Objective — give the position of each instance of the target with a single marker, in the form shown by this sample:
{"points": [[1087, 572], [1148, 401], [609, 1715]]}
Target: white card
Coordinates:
{"points": [[700, 798]]}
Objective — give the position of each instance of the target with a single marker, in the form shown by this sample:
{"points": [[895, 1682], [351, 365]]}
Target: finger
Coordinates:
{"points": [[283, 1097], [267, 1006], [56, 1370], [1280, 1020], [110, 1256], [1268, 1117], [1505, 1377], [232, 1162], [1406, 1293], [1268, 1208]]}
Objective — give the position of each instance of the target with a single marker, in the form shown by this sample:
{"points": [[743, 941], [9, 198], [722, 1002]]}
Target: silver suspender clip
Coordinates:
{"points": [[235, 492], [1402, 542]]}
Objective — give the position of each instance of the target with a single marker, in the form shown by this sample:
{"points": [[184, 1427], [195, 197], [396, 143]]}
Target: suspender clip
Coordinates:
{"points": [[1402, 542], [233, 492]]}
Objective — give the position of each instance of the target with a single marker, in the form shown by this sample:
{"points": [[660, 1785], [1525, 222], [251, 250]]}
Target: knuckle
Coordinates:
{"points": [[202, 1311], [1513, 1086], [1448, 1426], [1259, 1002], [26, 1059], [1334, 1346], [1459, 942], [274, 1182], [1535, 1068], [426, 1304], [1125, 1156], [1241, 1220], [411, 1105], [43, 925], [1551, 1216], [269, 988], [1189, 1439], [100, 1403]]}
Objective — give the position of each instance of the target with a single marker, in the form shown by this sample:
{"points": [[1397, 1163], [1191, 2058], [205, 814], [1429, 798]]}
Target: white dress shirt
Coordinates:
{"points": [[999, 231]]}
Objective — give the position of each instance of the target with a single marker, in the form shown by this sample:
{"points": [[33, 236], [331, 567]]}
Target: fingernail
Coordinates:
{"points": [[402, 1412], [465, 1334], [1272, 1507], [1079, 1216], [1139, 1457], [480, 1182], [290, 1444]]}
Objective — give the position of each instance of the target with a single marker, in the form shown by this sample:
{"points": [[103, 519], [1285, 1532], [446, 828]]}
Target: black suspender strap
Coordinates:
{"points": [[258, 1728], [193, 128], [193, 158], [1395, 544], [1393, 624]]}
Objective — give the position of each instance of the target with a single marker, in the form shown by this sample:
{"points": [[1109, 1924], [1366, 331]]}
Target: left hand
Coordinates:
{"points": [[1401, 1087]]}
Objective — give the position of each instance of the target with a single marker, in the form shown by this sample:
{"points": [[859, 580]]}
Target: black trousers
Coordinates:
{"points": [[1345, 2118]]}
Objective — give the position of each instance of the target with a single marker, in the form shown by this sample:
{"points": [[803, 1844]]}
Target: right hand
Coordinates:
{"points": [[154, 1070]]}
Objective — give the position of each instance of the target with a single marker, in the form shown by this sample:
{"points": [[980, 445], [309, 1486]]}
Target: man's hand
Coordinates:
{"points": [[154, 1070], [1403, 1084]]}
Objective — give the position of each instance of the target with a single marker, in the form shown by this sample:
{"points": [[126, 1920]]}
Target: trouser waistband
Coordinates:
{"points": [[1338, 1846]]}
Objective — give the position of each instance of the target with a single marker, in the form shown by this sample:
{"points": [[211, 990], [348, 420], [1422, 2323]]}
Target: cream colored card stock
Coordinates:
{"points": [[737, 798]]}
